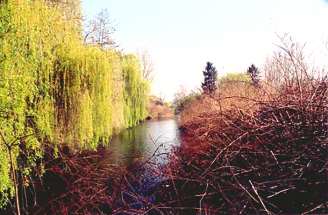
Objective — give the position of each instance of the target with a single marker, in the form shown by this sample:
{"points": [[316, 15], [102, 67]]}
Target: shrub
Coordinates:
{"points": [[183, 99], [264, 152]]}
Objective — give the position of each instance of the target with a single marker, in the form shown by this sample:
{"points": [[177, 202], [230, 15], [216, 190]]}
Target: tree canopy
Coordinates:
{"points": [[56, 90]]}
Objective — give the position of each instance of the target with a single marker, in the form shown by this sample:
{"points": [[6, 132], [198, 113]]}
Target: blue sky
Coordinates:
{"points": [[181, 35]]}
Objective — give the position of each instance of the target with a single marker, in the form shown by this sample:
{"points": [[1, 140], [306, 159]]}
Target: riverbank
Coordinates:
{"points": [[158, 109], [265, 156], [58, 90], [268, 156], [84, 183], [122, 178], [261, 153], [268, 161]]}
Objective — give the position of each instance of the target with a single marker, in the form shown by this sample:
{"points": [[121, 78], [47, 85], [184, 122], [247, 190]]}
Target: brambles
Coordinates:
{"points": [[78, 183], [271, 159], [261, 152]]}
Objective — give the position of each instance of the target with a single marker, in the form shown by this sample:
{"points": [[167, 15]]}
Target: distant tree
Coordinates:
{"points": [[100, 31], [147, 66], [233, 77], [254, 74], [161, 99], [184, 98], [210, 79], [179, 95], [288, 65]]}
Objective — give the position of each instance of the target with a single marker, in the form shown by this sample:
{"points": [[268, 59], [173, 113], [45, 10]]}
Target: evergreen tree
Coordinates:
{"points": [[210, 79], [254, 74]]}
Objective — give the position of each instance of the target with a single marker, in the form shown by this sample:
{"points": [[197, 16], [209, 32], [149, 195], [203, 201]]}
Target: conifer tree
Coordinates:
{"points": [[254, 73], [210, 79]]}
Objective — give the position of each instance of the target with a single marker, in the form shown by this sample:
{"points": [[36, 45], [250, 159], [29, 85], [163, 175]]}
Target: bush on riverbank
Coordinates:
{"points": [[233, 89], [183, 99], [159, 109], [76, 183], [254, 153]]}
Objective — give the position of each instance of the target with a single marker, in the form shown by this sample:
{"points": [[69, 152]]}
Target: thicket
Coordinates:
{"points": [[183, 100], [264, 152], [56, 90]]}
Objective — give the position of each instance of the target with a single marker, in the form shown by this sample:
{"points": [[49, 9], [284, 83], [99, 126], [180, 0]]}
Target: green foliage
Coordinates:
{"points": [[26, 44], [57, 90], [6, 189], [83, 95], [234, 77], [134, 92], [118, 87], [183, 99]]}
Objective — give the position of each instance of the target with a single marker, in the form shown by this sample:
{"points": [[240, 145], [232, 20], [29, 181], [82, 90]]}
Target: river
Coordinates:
{"points": [[151, 140], [149, 144]]}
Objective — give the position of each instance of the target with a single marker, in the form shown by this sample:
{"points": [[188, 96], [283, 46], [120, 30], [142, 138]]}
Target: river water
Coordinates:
{"points": [[148, 144], [151, 140]]}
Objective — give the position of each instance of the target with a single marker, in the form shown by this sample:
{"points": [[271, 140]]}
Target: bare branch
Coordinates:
{"points": [[100, 31], [147, 66]]}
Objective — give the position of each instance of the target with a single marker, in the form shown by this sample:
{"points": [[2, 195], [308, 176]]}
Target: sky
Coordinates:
{"points": [[182, 35]]}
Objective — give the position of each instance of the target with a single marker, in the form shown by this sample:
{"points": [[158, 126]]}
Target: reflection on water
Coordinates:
{"points": [[143, 141]]}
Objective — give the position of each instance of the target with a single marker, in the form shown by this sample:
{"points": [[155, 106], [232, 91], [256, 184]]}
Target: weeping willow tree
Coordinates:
{"points": [[26, 65], [83, 93], [54, 89], [118, 94], [70, 9], [134, 91]]}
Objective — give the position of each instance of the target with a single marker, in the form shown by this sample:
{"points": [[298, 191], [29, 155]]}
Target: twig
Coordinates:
{"points": [[265, 208]]}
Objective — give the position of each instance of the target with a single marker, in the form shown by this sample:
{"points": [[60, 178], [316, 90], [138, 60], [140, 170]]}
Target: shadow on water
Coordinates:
{"points": [[143, 150]]}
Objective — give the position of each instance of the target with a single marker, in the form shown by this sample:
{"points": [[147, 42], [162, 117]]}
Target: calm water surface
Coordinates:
{"points": [[144, 141]]}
